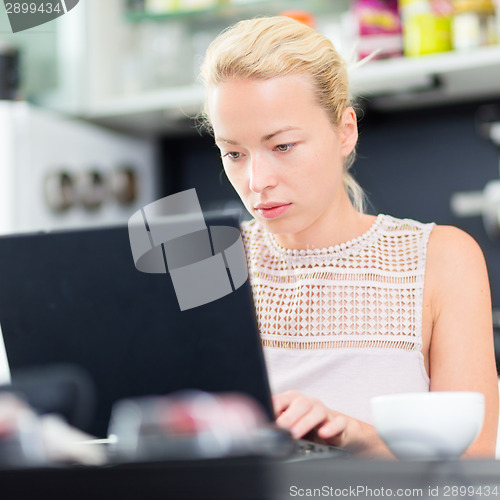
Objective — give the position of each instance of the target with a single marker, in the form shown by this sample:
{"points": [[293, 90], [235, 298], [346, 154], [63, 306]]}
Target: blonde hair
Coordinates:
{"points": [[269, 47]]}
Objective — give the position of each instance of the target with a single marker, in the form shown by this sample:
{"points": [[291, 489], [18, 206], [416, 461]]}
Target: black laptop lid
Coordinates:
{"points": [[76, 297]]}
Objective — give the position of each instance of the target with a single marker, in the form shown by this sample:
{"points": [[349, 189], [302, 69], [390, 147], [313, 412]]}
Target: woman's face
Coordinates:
{"points": [[281, 152]]}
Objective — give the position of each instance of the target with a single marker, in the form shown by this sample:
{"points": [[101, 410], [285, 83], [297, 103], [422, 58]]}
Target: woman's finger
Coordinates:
{"points": [[310, 420], [282, 401], [294, 411], [334, 427]]}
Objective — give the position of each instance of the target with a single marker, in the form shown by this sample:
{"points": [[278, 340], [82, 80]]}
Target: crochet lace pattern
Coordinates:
{"points": [[365, 293]]}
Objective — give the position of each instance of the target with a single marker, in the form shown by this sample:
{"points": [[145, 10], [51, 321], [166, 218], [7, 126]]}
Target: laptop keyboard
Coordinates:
{"points": [[307, 449], [277, 442]]}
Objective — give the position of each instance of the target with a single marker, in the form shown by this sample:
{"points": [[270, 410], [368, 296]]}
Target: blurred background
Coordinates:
{"points": [[97, 107]]}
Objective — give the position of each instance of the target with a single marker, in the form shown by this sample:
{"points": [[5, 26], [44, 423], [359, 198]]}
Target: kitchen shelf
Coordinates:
{"points": [[380, 74], [150, 112], [138, 16], [228, 9], [393, 83]]}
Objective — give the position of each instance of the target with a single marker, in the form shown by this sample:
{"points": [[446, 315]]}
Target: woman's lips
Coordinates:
{"points": [[273, 211]]}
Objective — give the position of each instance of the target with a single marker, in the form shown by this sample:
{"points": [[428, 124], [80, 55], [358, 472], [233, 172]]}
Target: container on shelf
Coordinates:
{"points": [[426, 26], [193, 5], [302, 16], [379, 28], [160, 6], [474, 24], [162, 57], [170, 7]]}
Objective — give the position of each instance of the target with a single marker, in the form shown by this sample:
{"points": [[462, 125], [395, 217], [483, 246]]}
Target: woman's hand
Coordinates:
{"points": [[309, 418], [301, 414]]}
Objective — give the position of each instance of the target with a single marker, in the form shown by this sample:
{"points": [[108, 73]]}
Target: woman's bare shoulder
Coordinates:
{"points": [[455, 261], [451, 246]]}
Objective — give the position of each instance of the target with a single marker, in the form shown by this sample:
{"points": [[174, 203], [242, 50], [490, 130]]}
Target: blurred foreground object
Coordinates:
{"points": [[30, 440], [62, 389], [41, 414], [21, 443], [193, 425]]}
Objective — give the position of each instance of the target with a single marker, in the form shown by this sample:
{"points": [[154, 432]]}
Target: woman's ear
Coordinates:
{"points": [[348, 131]]}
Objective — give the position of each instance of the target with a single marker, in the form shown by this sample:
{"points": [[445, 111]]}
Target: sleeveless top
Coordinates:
{"points": [[344, 323]]}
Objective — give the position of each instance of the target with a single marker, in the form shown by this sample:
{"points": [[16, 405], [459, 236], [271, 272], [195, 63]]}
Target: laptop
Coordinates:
{"points": [[75, 297]]}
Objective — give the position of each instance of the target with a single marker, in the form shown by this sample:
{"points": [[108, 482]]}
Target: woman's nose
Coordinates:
{"points": [[261, 175]]}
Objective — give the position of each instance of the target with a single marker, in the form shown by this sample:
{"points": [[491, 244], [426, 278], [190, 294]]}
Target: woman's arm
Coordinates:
{"points": [[461, 356]]}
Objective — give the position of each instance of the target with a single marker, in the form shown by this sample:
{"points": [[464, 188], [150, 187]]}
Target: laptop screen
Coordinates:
{"points": [[76, 297]]}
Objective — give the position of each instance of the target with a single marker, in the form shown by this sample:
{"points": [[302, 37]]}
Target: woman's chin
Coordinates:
{"points": [[279, 226]]}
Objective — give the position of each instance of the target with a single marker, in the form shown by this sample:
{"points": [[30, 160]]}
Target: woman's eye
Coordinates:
{"points": [[283, 148], [234, 155]]}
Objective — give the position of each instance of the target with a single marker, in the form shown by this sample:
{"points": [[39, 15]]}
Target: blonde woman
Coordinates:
{"points": [[349, 305]]}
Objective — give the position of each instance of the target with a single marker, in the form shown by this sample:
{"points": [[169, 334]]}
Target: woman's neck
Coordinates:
{"points": [[339, 225]]}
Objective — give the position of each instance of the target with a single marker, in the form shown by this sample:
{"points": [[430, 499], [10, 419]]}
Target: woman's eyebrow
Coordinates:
{"points": [[277, 132], [265, 138], [228, 141]]}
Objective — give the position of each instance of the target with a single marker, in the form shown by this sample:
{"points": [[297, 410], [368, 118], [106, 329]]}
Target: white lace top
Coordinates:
{"points": [[343, 323]]}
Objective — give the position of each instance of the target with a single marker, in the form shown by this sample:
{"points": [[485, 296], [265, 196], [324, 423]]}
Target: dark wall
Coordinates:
{"points": [[409, 163]]}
